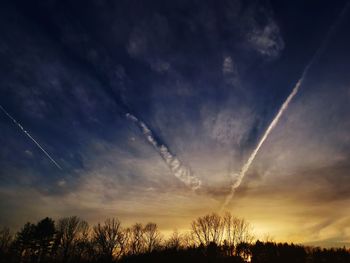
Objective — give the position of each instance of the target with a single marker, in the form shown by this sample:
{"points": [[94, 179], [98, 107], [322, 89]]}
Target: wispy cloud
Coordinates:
{"points": [[207, 82], [179, 170], [284, 107], [266, 39], [230, 72]]}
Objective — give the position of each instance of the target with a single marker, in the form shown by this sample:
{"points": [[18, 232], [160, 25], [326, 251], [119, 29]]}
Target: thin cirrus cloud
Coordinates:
{"points": [[84, 103], [266, 40]]}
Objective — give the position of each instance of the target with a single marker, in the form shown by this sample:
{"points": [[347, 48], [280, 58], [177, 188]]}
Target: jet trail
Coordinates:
{"points": [[30, 137], [177, 168], [284, 107], [272, 125]]}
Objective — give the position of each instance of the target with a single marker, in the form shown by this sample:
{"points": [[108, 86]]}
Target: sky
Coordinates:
{"points": [[148, 110]]}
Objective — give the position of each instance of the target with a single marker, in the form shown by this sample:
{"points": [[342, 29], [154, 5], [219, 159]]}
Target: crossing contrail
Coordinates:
{"points": [[30, 137], [283, 108], [179, 170]]}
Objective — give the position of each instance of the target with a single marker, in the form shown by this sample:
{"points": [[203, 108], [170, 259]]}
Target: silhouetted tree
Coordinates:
{"points": [[136, 239], [44, 237], [72, 241], [151, 237], [5, 243], [71, 232], [207, 229], [175, 241], [24, 243], [269, 252], [187, 239], [236, 231], [212, 252], [243, 250], [109, 239], [35, 242]]}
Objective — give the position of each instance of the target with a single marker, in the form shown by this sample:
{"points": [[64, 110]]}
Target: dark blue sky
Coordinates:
{"points": [[202, 80]]}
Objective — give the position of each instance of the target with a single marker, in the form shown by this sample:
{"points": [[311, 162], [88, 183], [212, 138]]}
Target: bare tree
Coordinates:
{"points": [[109, 239], [70, 232], [136, 239], [5, 241], [236, 231], [175, 241], [207, 229], [187, 239], [151, 236]]}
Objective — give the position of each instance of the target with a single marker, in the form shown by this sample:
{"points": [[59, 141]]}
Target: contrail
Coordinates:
{"points": [[100, 66], [284, 107], [30, 137], [177, 168]]}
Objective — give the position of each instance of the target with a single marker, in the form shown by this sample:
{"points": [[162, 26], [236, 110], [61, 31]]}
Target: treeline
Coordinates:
{"points": [[212, 238]]}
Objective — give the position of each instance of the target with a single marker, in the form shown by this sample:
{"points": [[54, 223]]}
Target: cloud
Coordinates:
{"points": [[178, 169], [230, 127], [115, 182], [261, 31], [301, 173], [160, 66], [200, 81], [266, 40], [29, 153], [227, 67], [150, 40], [229, 28], [230, 72], [61, 183]]}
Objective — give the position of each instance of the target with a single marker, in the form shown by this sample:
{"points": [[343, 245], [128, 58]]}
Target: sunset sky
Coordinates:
{"points": [[147, 111]]}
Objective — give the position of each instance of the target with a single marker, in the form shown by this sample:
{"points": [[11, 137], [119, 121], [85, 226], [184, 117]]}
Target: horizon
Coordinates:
{"points": [[166, 111], [166, 234]]}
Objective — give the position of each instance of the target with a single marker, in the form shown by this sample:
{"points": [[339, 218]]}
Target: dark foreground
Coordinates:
{"points": [[212, 238], [259, 252]]}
